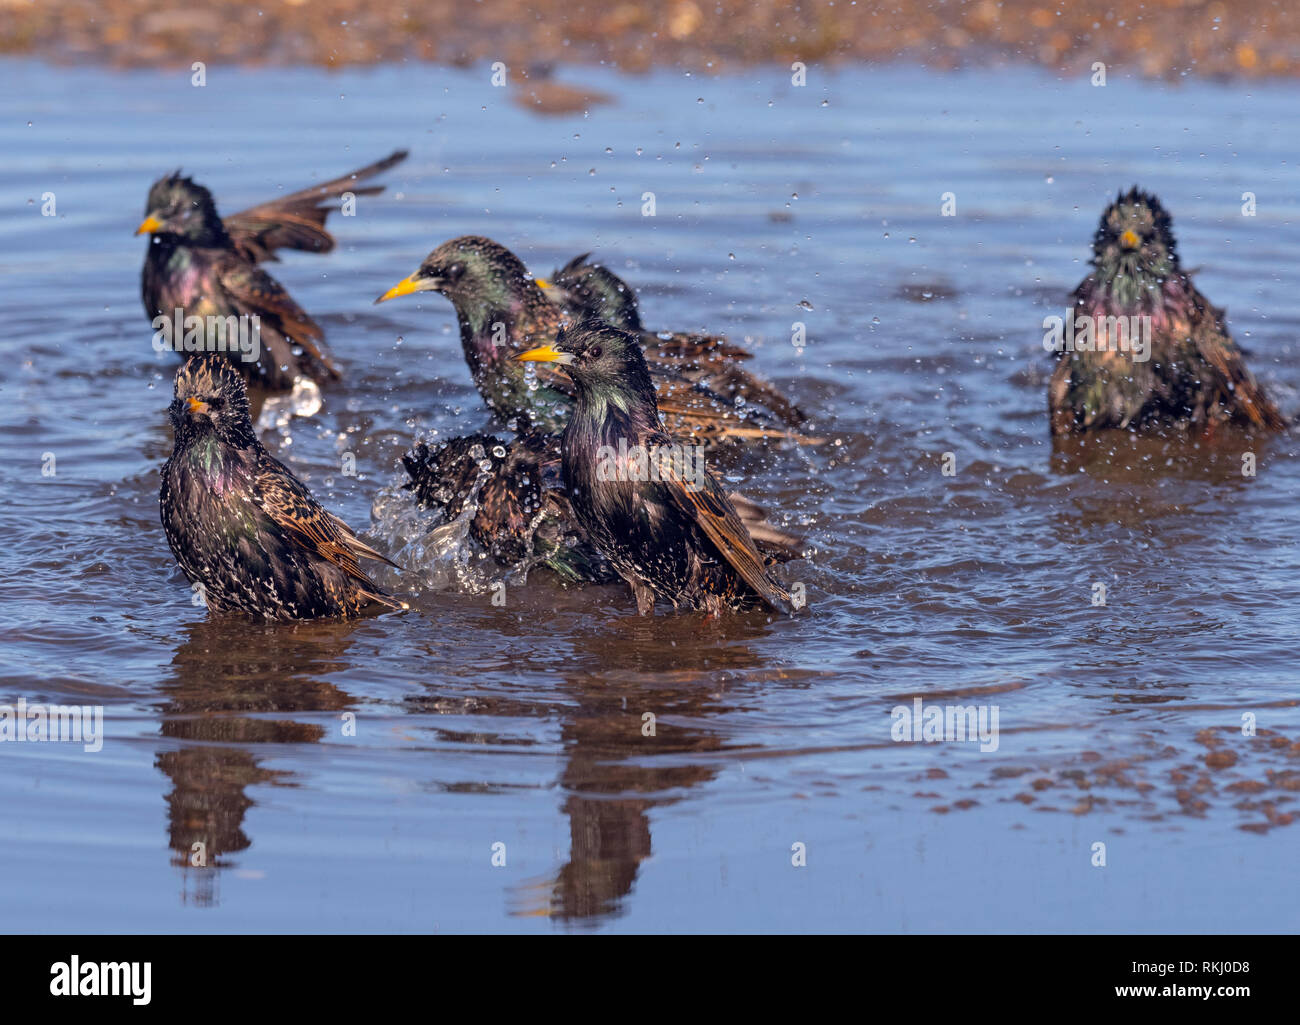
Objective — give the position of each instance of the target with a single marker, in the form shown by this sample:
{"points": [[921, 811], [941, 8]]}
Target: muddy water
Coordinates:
{"points": [[358, 776]]}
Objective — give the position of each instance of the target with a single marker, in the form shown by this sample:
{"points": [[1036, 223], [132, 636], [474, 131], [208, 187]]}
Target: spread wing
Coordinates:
{"points": [[254, 292], [705, 503], [297, 221]]}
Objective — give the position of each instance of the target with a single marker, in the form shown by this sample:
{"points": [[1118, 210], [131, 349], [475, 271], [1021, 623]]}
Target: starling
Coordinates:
{"points": [[205, 267], [581, 287], [238, 521], [521, 514], [501, 309], [665, 525], [1142, 348]]}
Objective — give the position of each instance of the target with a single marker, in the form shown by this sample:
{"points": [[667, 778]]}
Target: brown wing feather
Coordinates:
{"points": [[689, 410], [691, 348], [297, 221], [255, 292], [714, 362], [1219, 350], [290, 506], [714, 514]]}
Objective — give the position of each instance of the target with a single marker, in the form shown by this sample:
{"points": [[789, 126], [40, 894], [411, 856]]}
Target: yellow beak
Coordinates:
{"points": [[404, 287], [544, 354], [196, 405], [1130, 240], [149, 225], [543, 283]]}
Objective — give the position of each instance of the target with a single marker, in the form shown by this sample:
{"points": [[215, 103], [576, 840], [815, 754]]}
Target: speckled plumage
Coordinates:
{"points": [[521, 512], [240, 524], [1195, 377], [677, 538], [208, 267], [501, 310]]}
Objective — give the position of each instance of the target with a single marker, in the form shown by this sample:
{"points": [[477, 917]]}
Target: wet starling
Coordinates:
{"points": [[581, 287], [239, 522], [501, 309], [521, 514], [667, 527], [1193, 374], [208, 267]]}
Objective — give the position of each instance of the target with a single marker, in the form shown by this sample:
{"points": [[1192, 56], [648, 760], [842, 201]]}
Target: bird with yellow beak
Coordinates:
{"points": [[1147, 350]]}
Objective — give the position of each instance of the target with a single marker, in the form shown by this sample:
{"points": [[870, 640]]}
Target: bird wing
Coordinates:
{"points": [[297, 221], [1216, 348], [692, 408], [708, 506], [716, 363], [290, 506], [691, 348], [256, 293]]}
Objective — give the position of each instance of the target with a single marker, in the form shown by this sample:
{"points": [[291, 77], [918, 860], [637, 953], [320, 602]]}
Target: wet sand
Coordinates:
{"points": [[1163, 38]]}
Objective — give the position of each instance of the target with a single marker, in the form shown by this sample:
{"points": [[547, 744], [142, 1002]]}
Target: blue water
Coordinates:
{"points": [[521, 725]]}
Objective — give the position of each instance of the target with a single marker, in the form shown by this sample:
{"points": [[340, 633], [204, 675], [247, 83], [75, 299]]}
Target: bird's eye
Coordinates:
{"points": [[454, 271], [216, 404], [594, 352]]}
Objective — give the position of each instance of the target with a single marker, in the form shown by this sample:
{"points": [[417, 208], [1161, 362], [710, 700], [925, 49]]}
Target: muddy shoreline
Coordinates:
{"points": [[1163, 39]]}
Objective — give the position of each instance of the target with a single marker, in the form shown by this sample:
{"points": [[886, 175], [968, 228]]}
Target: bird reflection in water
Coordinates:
{"points": [[228, 672], [614, 775]]}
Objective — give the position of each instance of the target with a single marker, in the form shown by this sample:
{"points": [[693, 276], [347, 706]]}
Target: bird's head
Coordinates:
{"points": [[211, 400], [473, 272], [604, 363], [1135, 238], [594, 288], [181, 207]]}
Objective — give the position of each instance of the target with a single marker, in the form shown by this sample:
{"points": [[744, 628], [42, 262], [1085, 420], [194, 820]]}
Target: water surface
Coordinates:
{"points": [[478, 725]]}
